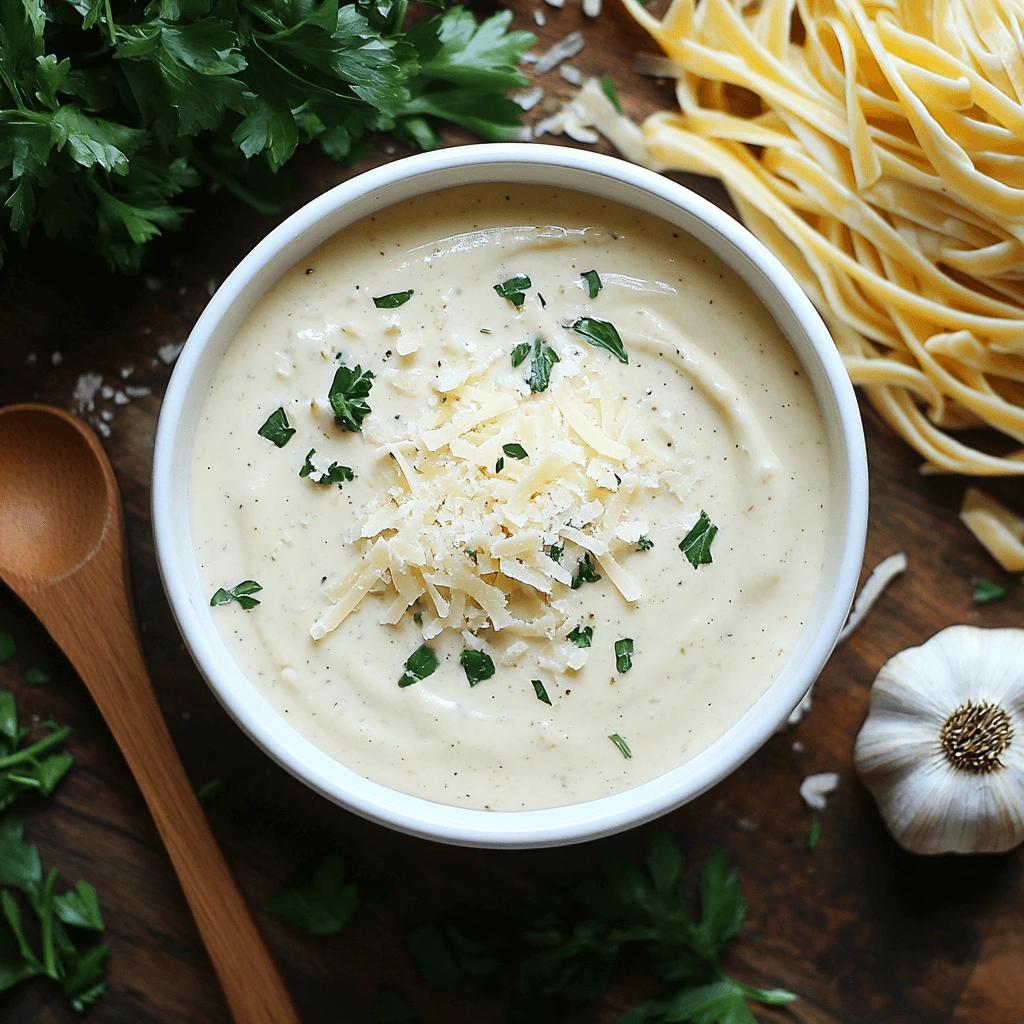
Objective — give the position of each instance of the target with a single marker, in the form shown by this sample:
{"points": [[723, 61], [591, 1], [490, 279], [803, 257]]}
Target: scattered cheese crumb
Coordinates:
{"points": [[562, 50], [815, 789], [881, 576], [56, 358], [571, 74], [169, 352], [120, 398], [137, 391], [530, 98], [591, 8], [126, 372], [559, 4], [539, 18], [83, 399], [798, 747]]}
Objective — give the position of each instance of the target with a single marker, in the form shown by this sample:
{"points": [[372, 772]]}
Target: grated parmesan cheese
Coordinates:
{"points": [[470, 544]]}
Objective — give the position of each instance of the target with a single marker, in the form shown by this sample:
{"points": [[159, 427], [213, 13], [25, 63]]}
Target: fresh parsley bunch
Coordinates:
{"points": [[545, 955], [110, 109]]}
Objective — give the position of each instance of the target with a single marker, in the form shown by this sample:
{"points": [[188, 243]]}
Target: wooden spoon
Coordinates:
{"points": [[63, 552]]}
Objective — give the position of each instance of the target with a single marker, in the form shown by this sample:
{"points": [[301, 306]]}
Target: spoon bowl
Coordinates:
{"points": [[63, 551], [45, 458]]}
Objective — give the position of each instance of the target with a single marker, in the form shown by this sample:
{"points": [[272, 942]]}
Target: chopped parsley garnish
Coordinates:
{"points": [[542, 694], [36, 675], [696, 545], [513, 289], [483, 330], [393, 300], [555, 552], [417, 617], [543, 304], [644, 544], [334, 474], [622, 745], [478, 666], [593, 282], [422, 663], [520, 352], [276, 428], [514, 451], [608, 88], [348, 394], [585, 572], [241, 593], [471, 553], [544, 357], [813, 836], [986, 591], [581, 636], [7, 647], [500, 464], [601, 334], [623, 654]]}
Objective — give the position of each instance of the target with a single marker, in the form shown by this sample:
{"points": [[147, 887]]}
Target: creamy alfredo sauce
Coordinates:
{"points": [[712, 413]]}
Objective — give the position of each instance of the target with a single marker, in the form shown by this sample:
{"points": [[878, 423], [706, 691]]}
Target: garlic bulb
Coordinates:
{"points": [[942, 748]]}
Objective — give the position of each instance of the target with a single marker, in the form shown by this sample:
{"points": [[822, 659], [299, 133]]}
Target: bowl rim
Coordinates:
{"points": [[529, 828]]}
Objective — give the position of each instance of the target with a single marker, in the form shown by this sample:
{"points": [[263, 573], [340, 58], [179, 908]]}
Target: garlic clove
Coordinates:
{"points": [[942, 748]]}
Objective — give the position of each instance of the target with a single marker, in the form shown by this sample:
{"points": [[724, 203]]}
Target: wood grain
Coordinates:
{"points": [[861, 930]]}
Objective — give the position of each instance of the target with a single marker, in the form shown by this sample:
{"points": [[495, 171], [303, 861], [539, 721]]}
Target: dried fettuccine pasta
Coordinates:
{"points": [[878, 149]]}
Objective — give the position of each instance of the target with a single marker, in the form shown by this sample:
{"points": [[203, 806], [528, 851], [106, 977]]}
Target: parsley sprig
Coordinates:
{"points": [[109, 112], [29, 767], [547, 955], [241, 592], [349, 391]]}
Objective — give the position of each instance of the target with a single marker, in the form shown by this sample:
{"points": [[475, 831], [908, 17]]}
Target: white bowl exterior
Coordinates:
{"points": [[605, 178]]}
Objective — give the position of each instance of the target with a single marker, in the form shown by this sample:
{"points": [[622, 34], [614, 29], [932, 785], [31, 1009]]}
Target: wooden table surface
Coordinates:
{"points": [[861, 930]]}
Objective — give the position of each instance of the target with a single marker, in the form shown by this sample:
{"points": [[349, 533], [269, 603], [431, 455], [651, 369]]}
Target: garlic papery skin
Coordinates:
{"points": [[942, 748]]}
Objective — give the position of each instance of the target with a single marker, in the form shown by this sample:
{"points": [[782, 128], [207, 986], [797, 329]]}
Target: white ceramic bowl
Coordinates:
{"points": [[606, 178]]}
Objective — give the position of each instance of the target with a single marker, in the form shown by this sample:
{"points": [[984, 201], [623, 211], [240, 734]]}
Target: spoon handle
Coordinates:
{"points": [[110, 664]]}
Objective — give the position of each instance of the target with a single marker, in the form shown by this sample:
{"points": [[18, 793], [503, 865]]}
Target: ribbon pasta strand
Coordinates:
{"points": [[877, 147]]}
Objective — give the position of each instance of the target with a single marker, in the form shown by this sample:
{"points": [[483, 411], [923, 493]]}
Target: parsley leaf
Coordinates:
{"points": [[593, 282], [624, 654], [240, 593], [696, 545], [814, 836], [320, 902], [538, 689], [29, 766], [421, 663], [7, 647], [514, 451], [601, 334], [585, 572], [520, 352], [581, 636], [644, 544], [394, 300], [622, 745], [500, 464], [349, 391], [478, 666], [472, 553], [36, 675], [608, 88], [555, 552], [513, 290], [333, 474], [544, 358], [276, 428], [985, 591]]}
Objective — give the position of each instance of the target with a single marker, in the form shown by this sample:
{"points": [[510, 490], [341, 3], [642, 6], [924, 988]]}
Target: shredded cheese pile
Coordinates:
{"points": [[877, 148], [472, 544]]}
